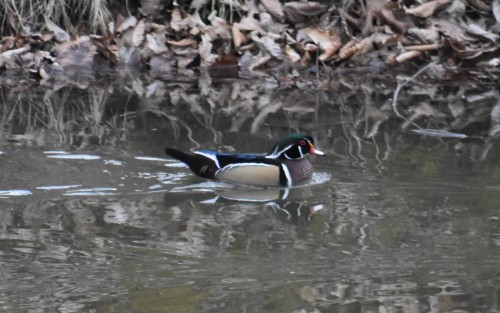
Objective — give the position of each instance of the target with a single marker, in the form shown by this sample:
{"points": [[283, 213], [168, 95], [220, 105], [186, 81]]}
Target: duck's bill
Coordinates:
{"points": [[316, 151]]}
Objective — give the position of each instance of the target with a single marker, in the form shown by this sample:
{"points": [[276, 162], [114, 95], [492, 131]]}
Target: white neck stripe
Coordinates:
{"points": [[287, 175]]}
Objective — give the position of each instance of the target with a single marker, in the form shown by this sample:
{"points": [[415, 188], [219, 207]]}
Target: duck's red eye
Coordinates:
{"points": [[302, 142]]}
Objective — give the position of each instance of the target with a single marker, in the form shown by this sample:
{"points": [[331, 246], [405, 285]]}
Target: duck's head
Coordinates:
{"points": [[294, 147]]}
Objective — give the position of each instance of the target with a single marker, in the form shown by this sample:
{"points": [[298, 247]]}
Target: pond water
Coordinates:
{"points": [[95, 218]]}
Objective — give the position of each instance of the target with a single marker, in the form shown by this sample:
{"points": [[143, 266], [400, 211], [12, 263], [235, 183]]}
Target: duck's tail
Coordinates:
{"points": [[199, 164]]}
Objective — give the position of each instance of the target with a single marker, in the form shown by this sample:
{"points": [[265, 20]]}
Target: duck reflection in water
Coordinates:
{"points": [[288, 204]]}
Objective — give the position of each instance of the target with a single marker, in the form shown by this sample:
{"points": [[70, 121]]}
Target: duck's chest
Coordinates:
{"points": [[299, 169]]}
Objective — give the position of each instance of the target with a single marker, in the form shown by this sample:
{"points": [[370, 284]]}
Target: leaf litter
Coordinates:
{"points": [[285, 43]]}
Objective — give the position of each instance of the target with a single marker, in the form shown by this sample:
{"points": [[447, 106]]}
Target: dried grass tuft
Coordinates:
{"points": [[73, 15]]}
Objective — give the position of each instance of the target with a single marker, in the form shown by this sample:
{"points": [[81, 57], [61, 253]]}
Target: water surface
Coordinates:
{"points": [[95, 218]]}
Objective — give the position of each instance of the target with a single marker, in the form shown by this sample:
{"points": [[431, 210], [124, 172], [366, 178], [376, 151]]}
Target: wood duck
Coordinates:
{"points": [[285, 165]]}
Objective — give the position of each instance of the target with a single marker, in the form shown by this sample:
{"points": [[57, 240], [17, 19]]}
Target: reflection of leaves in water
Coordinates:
{"points": [[74, 116], [205, 112]]}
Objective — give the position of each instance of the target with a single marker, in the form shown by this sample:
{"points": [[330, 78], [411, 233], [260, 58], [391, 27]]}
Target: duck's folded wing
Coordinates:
{"points": [[259, 174], [201, 164]]}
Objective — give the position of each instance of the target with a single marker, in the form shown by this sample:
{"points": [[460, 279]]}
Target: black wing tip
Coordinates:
{"points": [[171, 151], [175, 153], [200, 165]]}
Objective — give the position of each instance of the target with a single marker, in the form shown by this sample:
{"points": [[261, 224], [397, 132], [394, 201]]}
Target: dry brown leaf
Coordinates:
{"points": [[357, 48], [274, 8], [427, 9], [270, 25], [10, 55], [456, 9], [260, 61], [348, 50], [306, 59], [329, 42], [7, 43], [306, 8], [152, 44], [496, 10], [267, 44], [138, 33], [480, 5], [250, 24], [388, 18], [479, 31], [183, 42], [452, 30], [219, 26], [425, 35], [298, 11], [130, 21], [60, 34], [205, 50], [198, 4], [311, 48], [291, 54], [176, 19], [238, 37]]}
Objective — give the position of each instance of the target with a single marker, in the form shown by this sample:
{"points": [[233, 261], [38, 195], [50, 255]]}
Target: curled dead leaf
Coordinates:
{"points": [[306, 59], [127, 23], [451, 29], [10, 55], [427, 9], [138, 33], [249, 23], [496, 10], [329, 42], [260, 61], [219, 26], [479, 31], [388, 18], [309, 47], [291, 54], [176, 19], [154, 45], [298, 11], [274, 8], [479, 4], [238, 37], [60, 34], [424, 35], [183, 42], [267, 44], [357, 48], [205, 49]]}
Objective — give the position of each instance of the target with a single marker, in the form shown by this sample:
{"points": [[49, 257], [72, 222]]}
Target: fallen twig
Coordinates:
{"points": [[429, 47]]}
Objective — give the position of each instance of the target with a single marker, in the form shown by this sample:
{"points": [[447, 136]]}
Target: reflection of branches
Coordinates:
{"points": [[64, 111], [400, 86], [174, 121], [351, 133], [379, 165]]}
